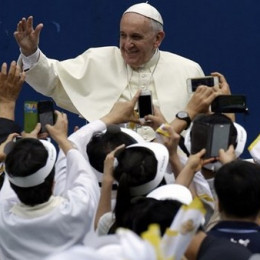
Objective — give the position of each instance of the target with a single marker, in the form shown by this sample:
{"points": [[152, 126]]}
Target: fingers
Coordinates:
{"points": [[136, 96], [118, 148], [4, 68]]}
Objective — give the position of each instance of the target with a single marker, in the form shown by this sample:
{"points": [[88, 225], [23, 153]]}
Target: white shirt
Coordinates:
{"points": [[63, 221]]}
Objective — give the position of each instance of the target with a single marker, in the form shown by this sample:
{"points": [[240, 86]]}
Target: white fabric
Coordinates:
{"points": [[76, 84], [40, 175], [146, 10], [254, 149], [33, 236], [172, 191]]}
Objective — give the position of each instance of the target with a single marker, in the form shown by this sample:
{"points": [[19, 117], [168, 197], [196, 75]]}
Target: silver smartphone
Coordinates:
{"points": [[193, 83]]}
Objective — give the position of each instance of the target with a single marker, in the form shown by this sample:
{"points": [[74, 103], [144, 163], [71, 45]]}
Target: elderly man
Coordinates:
{"points": [[77, 84]]}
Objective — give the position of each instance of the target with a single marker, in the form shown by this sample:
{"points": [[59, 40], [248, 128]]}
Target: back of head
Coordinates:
{"points": [[237, 185], [141, 168], [103, 143], [146, 211], [26, 157]]}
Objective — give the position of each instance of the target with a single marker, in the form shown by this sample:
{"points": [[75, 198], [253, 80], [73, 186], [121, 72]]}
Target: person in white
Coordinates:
{"points": [[92, 82], [40, 223]]}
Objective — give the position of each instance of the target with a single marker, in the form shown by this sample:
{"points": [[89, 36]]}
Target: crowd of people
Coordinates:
{"points": [[120, 187]]}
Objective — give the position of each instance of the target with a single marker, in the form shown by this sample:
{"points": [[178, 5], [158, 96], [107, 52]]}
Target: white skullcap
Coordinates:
{"points": [[146, 10]]}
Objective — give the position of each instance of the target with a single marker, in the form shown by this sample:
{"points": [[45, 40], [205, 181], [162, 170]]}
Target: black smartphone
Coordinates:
{"points": [[45, 114], [193, 83], [229, 104], [145, 104], [212, 137], [219, 139]]}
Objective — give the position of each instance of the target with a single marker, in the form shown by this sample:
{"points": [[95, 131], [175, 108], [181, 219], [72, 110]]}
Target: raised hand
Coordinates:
{"points": [[26, 36]]}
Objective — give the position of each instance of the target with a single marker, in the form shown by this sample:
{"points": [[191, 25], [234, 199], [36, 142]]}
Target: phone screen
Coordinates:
{"points": [[220, 138], [45, 114], [207, 81], [145, 105], [30, 115]]}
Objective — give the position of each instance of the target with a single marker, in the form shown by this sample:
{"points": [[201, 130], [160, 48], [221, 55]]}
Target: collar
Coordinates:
{"points": [[26, 211], [225, 225]]}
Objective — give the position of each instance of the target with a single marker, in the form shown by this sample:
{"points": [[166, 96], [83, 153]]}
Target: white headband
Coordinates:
{"points": [[162, 156], [39, 176], [146, 10]]}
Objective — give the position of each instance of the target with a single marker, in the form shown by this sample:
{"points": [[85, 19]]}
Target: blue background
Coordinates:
{"points": [[220, 35]]}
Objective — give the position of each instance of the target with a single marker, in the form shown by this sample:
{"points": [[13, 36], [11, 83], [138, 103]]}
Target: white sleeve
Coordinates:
{"points": [[80, 181], [80, 139], [29, 61]]}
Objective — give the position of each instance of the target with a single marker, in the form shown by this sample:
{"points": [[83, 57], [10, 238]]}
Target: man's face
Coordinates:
{"points": [[138, 40]]}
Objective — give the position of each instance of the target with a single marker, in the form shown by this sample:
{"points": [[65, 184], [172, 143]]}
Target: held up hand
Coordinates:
{"points": [[227, 156], [59, 131], [109, 164], [26, 36], [2, 145], [223, 87], [195, 161], [35, 133], [155, 120], [200, 101], [122, 112], [10, 82]]}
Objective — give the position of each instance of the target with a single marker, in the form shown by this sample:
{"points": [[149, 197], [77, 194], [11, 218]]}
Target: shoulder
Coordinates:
{"points": [[106, 51], [175, 58]]}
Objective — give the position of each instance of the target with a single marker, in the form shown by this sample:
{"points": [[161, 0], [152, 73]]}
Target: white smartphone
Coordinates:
{"points": [[193, 83], [145, 104]]}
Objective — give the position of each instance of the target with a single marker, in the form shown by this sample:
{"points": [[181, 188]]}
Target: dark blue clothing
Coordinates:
{"points": [[7, 127], [240, 232], [214, 248]]}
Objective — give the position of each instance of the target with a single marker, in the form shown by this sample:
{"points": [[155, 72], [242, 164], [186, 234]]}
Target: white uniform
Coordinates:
{"points": [[91, 83], [63, 221]]}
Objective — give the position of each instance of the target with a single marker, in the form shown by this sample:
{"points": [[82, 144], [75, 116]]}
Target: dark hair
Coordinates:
{"points": [[26, 157], [136, 166], [237, 185], [145, 211], [103, 143]]}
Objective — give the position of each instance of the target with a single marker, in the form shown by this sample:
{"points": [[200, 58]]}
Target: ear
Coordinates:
{"points": [[159, 38]]}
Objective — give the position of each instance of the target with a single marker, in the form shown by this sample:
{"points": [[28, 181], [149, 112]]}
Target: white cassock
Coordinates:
{"points": [[92, 82], [63, 221]]}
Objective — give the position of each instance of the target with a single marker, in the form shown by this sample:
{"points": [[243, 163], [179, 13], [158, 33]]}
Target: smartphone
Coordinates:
{"points": [[229, 104], [45, 114], [193, 83], [212, 137], [145, 104], [30, 115], [219, 139]]}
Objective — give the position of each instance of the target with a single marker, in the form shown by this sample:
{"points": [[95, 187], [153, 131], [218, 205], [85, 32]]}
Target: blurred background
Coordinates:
{"points": [[221, 36]]}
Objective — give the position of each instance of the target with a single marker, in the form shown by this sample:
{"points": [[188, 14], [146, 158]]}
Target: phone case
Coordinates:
{"points": [[30, 115], [45, 114]]}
